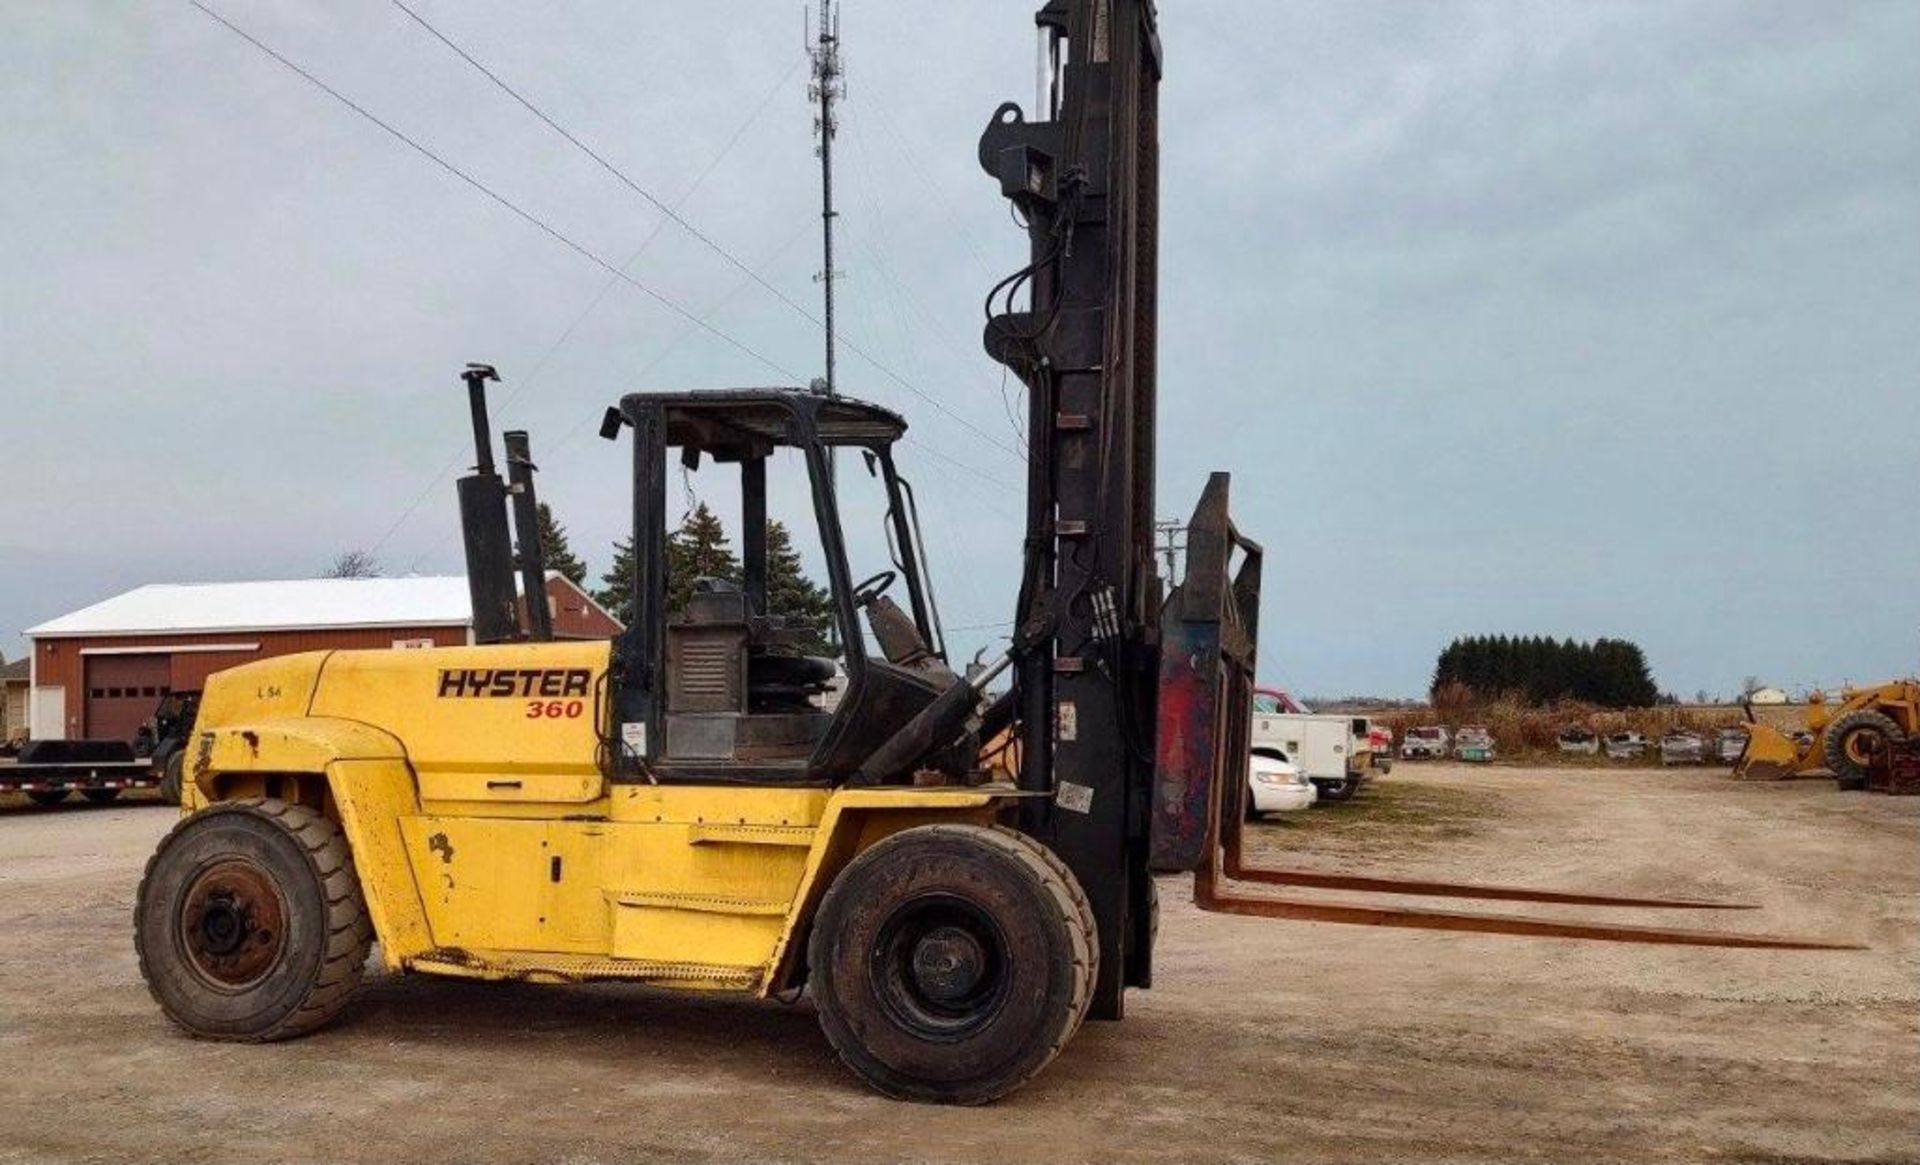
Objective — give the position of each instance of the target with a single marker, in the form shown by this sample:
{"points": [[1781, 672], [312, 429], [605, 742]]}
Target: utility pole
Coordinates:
{"points": [[1173, 540], [827, 84]]}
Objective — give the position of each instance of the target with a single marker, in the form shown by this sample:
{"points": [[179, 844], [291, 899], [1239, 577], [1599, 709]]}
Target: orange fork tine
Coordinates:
{"points": [[1209, 894], [1429, 889], [1211, 899]]}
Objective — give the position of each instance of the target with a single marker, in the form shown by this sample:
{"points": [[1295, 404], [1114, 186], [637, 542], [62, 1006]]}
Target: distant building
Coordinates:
{"points": [[99, 672], [1769, 696], [14, 681]]}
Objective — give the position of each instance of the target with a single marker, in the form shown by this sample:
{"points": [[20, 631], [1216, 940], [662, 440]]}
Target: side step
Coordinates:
{"points": [[544, 967]]}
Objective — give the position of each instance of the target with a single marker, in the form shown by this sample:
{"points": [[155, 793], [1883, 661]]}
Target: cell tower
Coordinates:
{"points": [[827, 84]]}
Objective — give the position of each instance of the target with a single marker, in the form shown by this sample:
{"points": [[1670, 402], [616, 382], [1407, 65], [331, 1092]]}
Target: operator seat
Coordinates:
{"points": [[738, 687]]}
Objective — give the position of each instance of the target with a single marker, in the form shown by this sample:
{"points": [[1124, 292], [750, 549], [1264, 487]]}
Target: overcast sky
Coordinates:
{"points": [[1573, 319]]}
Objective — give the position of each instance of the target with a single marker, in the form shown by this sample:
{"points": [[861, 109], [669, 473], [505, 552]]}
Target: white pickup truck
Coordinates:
{"points": [[1333, 751]]}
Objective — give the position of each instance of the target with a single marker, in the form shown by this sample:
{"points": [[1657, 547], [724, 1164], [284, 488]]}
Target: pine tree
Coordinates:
{"points": [[1609, 672], [794, 596], [616, 586], [554, 548], [698, 549]]}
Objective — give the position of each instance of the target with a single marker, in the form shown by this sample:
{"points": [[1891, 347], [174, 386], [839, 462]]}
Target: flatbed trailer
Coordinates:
{"points": [[100, 781]]}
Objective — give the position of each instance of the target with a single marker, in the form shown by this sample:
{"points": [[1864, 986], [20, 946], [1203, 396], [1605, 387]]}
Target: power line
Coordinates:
{"points": [[598, 158], [551, 231], [616, 272], [619, 174], [522, 384], [593, 419]]}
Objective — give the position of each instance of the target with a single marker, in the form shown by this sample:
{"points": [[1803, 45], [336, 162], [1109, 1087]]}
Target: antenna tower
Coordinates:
{"points": [[826, 85]]}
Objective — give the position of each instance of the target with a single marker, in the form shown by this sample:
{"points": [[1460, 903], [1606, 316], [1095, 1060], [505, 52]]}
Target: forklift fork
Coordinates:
{"points": [[1209, 631]]}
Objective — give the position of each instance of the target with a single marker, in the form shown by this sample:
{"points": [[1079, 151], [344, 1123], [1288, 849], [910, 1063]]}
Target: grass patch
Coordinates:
{"points": [[1389, 814]]}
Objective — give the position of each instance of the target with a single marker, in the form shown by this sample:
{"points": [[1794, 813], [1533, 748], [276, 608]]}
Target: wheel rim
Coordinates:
{"points": [[1861, 746], [941, 967], [232, 924]]}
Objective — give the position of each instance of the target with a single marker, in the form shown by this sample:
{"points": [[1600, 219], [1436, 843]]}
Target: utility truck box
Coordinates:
{"points": [[1332, 750]]}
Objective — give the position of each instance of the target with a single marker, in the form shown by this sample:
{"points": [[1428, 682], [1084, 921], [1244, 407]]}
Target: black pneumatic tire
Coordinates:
{"points": [[1340, 790], [951, 963], [47, 798], [171, 776], [250, 924], [101, 796], [1840, 746], [1082, 908]]}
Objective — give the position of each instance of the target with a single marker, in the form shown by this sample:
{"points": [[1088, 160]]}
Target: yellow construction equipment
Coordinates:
{"points": [[683, 807], [1841, 737]]}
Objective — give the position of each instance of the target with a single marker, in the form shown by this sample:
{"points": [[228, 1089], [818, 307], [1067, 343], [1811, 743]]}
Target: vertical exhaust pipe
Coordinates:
{"points": [[483, 524], [532, 555]]}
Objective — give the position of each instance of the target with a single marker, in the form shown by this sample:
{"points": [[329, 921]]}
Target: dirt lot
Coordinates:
{"points": [[1264, 1040]]}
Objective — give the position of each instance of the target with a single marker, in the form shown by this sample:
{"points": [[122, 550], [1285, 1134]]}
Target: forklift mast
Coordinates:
{"points": [[1133, 707], [1083, 175]]}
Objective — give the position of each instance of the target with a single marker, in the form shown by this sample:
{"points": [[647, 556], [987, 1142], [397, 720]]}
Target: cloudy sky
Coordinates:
{"points": [[1577, 319]]}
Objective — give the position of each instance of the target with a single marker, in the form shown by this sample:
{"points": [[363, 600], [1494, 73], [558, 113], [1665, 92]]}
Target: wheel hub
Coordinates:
{"points": [[232, 923], [948, 964], [1862, 746], [940, 966]]}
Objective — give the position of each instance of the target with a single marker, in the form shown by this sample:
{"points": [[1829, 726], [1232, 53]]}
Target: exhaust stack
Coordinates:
{"points": [[532, 556], [483, 524]]}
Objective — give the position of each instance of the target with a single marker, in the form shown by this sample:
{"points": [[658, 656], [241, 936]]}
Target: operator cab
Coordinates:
{"points": [[721, 687]]}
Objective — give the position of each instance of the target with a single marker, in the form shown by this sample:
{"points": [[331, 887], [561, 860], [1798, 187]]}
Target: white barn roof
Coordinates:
{"points": [[295, 604]]}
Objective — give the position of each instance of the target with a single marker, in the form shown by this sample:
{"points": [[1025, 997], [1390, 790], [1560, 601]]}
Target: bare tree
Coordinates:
{"points": [[354, 564]]}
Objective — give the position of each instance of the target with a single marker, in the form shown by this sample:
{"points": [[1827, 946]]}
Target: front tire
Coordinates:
{"points": [[1851, 741], [951, 963], [249, 923]]}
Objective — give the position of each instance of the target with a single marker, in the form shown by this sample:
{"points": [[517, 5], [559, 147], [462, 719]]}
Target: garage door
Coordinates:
{"points": [[121, 693]]}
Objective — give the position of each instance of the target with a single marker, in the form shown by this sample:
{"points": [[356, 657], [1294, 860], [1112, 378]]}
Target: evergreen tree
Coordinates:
{"points": [[616, 586], [698, 549], [1609, 672], [794, 596], [554, 548]]}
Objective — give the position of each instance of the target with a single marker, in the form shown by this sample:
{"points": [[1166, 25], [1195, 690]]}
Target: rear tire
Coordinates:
{"points": [[101, 796], [1340, 790], [951, 963], [1851, 741], [171, 775], [46, 798], [249, 923]]}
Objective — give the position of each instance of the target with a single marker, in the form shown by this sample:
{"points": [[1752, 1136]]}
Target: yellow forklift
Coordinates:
{"points": [[684, 806]]}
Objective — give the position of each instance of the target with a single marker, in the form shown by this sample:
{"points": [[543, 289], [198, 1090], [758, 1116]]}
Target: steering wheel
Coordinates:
{"points": [[873, 588]]}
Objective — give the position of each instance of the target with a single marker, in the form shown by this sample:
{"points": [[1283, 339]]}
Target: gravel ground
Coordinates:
{"points": [[1263, 1040]]}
